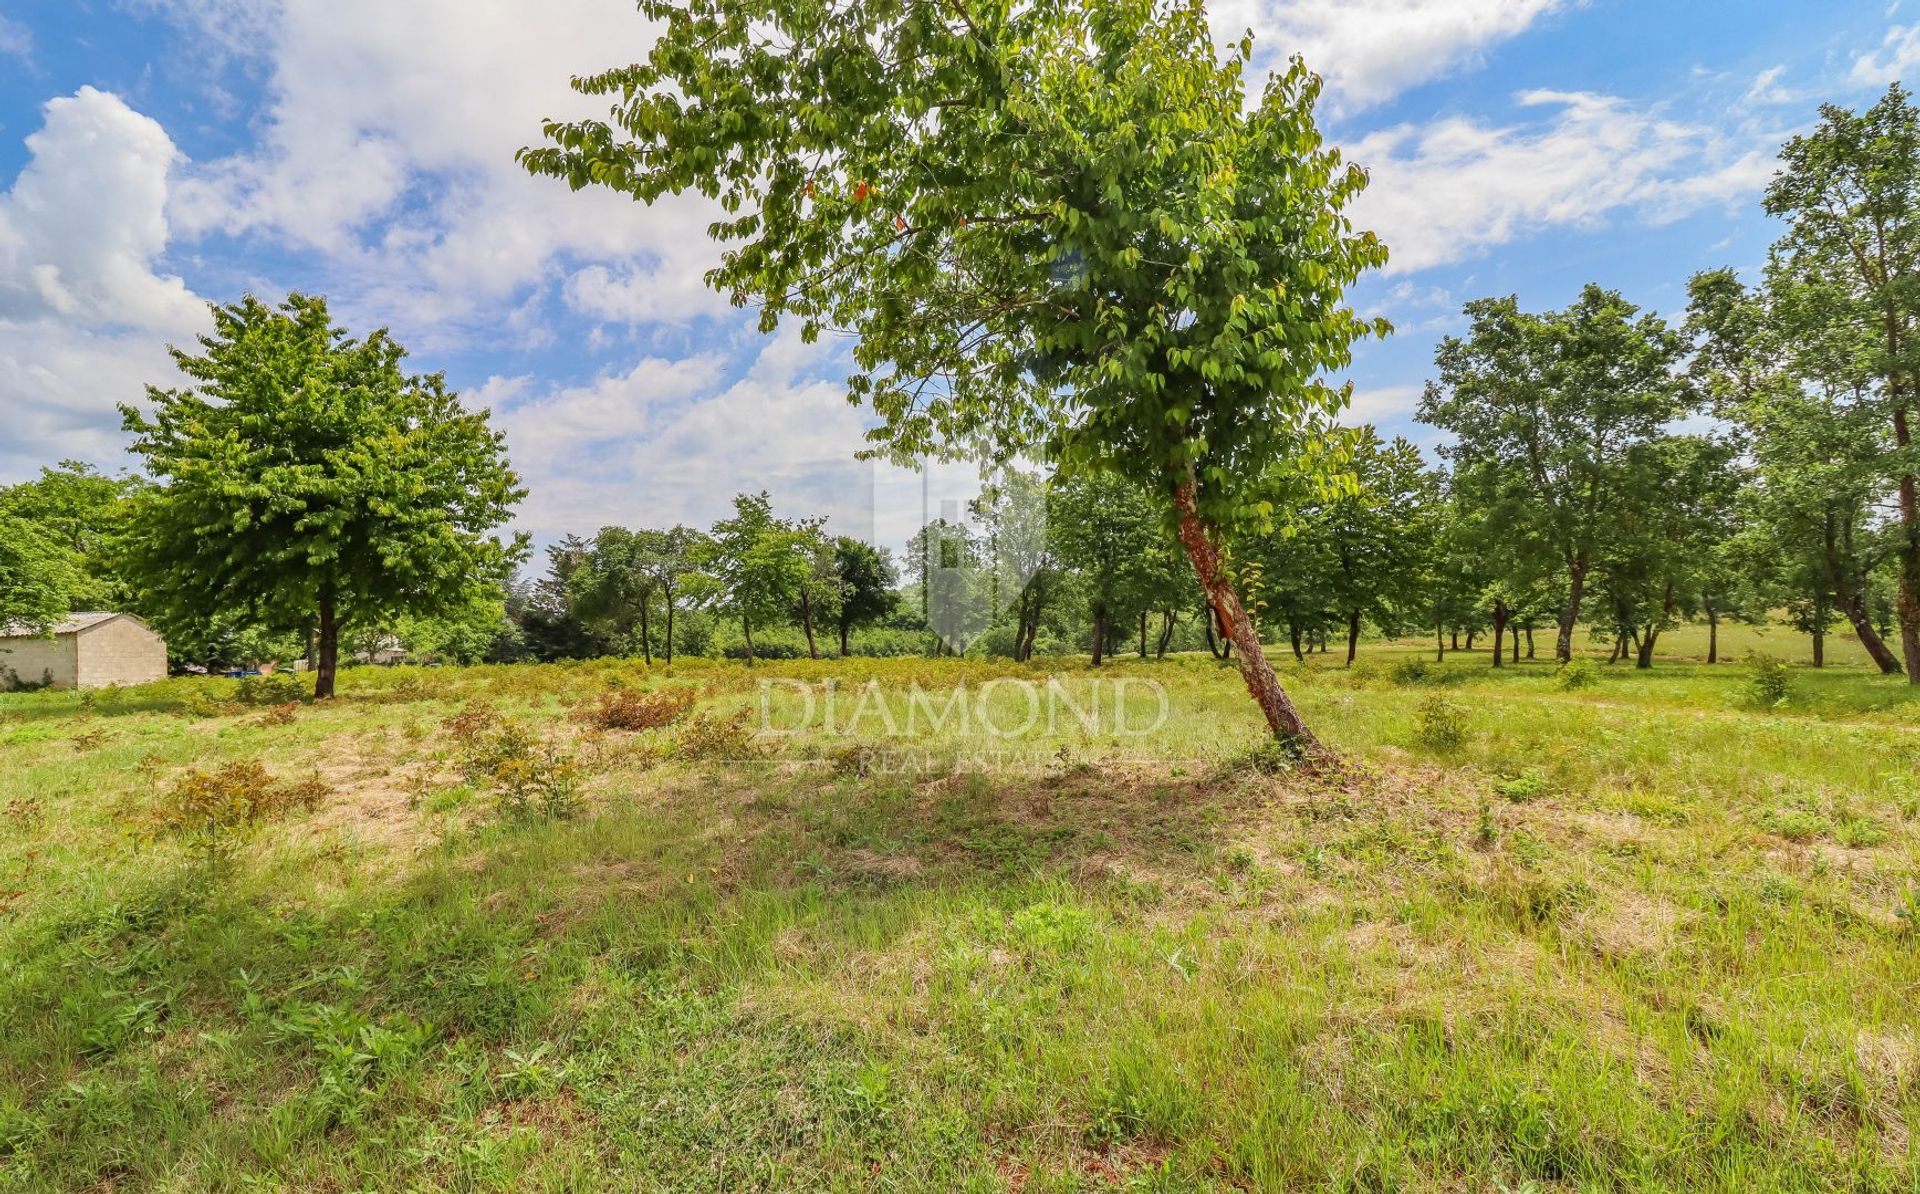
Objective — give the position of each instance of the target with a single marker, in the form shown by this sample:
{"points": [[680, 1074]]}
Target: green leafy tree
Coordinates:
{"points": [[1567, 406], [37, 576], [1058, 228], [613, 589], [866, 578], [305, 475], [1103, 529], [755, 572], [1809, 533], [1377, 535], [1845, 279], [78, 508]]}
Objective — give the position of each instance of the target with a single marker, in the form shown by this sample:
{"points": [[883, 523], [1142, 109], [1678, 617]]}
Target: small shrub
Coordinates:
{"points": [[212, 812], [1769, 683], [1794, 824], [1576, 674], [1269, 756], [278, 689], [280, 715], [1487, 830], [711, 735], [1528, 786], [529, 780], [627, 709], [1860, 833], [1443, 725]]}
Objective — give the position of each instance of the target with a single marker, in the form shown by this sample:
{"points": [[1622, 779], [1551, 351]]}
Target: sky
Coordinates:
{"points": [[158, 155]]}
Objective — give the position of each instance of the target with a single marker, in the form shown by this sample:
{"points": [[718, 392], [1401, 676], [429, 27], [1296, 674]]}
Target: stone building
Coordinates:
{"points": [[85, 650]]}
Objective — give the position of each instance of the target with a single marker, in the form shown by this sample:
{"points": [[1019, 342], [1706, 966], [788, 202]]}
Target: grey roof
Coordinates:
{"points": [[73, 623]]}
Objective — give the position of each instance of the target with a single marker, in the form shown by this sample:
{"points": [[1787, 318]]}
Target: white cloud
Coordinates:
{"points": [[1766, 89], [1371, 50], [1899, 53], [16, 40], [389, 148], [1450, 191], [83, 313], [83, 224]]}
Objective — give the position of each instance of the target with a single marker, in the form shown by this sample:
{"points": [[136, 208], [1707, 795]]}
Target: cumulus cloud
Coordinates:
{"points": [[1371, 50], [389, 149], [1898, 54], [1451, 190], [83, 224], [84, 312]]}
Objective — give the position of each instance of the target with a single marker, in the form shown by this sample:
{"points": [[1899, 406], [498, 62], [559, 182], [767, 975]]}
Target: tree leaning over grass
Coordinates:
{"points": [[303, 475], [1847, 272], [1058, 228]]}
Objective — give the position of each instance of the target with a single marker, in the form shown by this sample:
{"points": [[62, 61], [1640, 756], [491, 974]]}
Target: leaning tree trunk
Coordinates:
{"points": [[1570, 616], [329, 647], [1853, 602], [1909, 555], [1283, 718], [1166, 634]]}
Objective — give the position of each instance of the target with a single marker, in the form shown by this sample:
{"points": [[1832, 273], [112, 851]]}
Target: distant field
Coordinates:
{"points": [[1647, 934]]}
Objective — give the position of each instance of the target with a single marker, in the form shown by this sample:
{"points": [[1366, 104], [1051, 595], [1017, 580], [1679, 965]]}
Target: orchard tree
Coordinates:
{"points": [[754, 566], [1102, 527], [1847, 273], [1058, 229], [866, 578], [1567, 404], [304, 475]]}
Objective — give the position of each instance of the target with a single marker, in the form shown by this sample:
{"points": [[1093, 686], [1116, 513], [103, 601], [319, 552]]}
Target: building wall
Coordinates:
{"points": [[31, 659], [121, 651]]}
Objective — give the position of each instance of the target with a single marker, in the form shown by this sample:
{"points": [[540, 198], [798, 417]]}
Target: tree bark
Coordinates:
{"points": [[1645, 659], [1353, 635], [1283, 719], [669, 643], [1166, 634], [1143, 634], [1852, 600], [1439, 643], [1909, 555], [329, 648], [1713, 635], [1529, 641], [746, 628], [843, 638], [1454, 635], [1570, 616], [1293, 636], [1099, 636], [1819, 648], [1499, 630], [646, 633]]}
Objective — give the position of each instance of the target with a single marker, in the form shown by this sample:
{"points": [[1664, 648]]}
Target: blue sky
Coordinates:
{"points": [[156, 154]]}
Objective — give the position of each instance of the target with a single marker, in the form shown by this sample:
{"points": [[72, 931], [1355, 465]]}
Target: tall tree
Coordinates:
{"points": [[1058, 228], [755, 569], [305, 475], [866, 577], [1793, 390], [1848, 272], [613, 589], [1568, 404], [37, 576], [1103, 527], [78, 508], [1377, 533]]}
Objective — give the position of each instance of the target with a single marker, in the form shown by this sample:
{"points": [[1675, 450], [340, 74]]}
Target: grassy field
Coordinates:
{"points": [[1649, 933]]}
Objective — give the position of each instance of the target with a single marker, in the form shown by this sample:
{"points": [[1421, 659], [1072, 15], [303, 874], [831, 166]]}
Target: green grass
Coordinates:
{"points": [[1642, 935]]}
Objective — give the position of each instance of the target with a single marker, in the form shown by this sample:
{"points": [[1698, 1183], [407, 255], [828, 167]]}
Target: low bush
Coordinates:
{"points": [[1769, 683], [1443, 725], [711, 735], [628, 709], [1576, 674], [277, 689], [213, 812]]}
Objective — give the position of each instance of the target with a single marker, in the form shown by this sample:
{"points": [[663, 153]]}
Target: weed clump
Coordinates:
{"points": [[281, 688], [530, 780], [1443, 725], [1576, 674], [1769, 683], [1526, 787], [629, 709], [714, 736], [213, 812]]}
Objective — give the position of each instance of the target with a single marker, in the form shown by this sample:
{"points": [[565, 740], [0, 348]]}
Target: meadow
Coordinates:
{"points": [[1616, 930]]}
